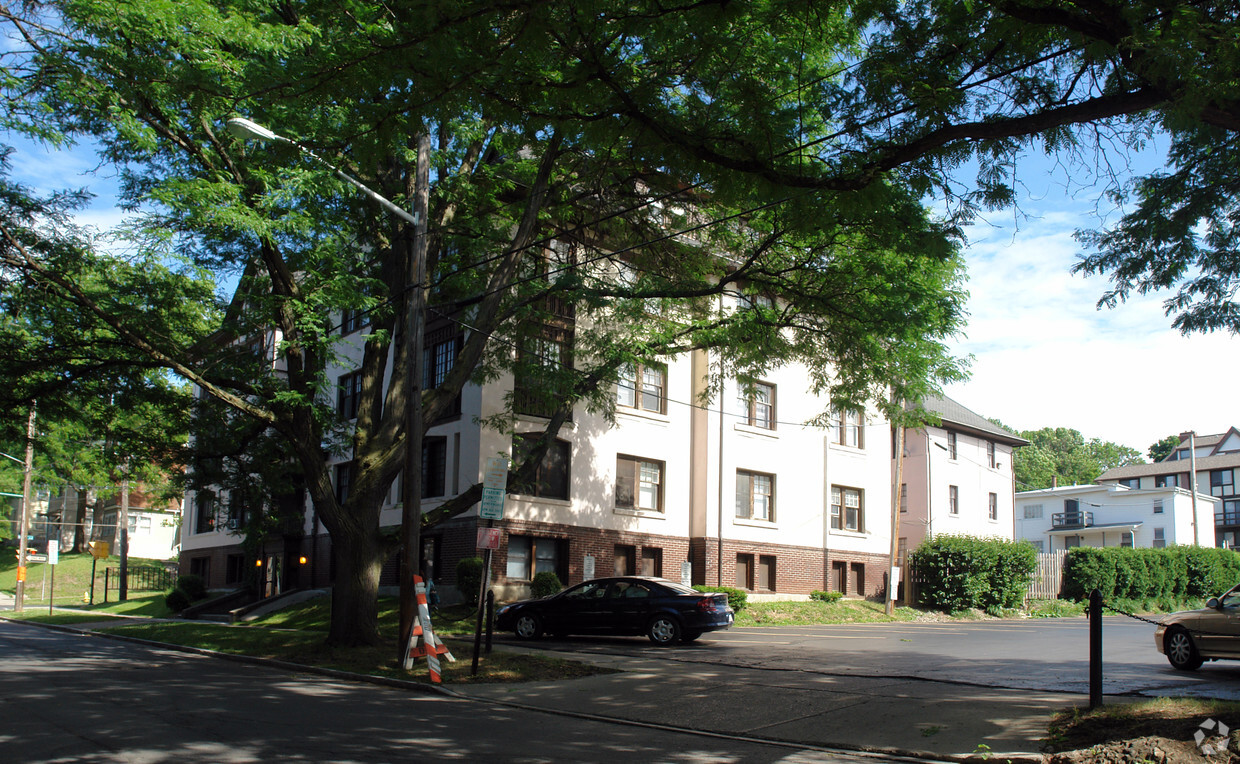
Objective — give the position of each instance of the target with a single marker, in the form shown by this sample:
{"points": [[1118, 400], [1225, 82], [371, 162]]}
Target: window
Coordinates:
{"points": [[652, 561], [236, 510], [551, 476], [1158, 506], [766, 572], [626, 559], [849, 428], [1230, 514], [1033, 511], [353, 320], [643, 386], [639, 484], [204, 520], [1037, 546], [993, 506], [1167, 481], [846, 510], [531, 555], [1071, 542], [434, 467], [1130, 482], [744, 571], [344, 479], [234, 568], [990, 454], [902, 552], [755, 496], [1160, 540], [349, 395], [952, 445], [903, 498], [139, 525], [953, 500], [759, 407], [441, 346], [1221, 483], [1125, 539], [541, 361], [201, 566]]}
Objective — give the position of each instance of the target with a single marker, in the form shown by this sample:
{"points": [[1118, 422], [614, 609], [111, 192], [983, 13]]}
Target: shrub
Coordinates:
{"points": [[469, 578], [1162, 576], [194, 586], [177, 600], [545, 584], [959, 573], [737, 598], [822, 596]]}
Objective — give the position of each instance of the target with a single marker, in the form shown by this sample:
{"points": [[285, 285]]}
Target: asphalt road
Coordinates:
{"points": [[1038, 654], [82, 698]]}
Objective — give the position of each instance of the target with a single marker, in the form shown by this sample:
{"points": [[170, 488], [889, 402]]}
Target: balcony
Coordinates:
{"points": [[1072, 519]]}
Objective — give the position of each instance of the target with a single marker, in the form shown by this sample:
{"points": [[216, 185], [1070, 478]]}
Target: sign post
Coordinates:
{"points": [[494, 490], [53, 557]]}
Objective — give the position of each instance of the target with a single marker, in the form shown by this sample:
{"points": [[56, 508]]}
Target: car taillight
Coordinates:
{"points": [[707, 605]]}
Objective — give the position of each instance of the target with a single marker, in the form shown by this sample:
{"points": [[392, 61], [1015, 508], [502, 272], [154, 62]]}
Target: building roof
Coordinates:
{"points": [[961, 418], [1204, 463]]}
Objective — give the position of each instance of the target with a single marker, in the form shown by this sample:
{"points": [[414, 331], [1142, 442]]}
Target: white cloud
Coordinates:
{"points": [[1046, 357]]}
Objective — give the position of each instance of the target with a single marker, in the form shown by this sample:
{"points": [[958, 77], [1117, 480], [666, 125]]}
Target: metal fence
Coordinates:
{"points": [[144, 578]]}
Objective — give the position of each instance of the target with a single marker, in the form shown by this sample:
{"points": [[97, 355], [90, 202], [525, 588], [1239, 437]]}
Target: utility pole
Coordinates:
{"points": [[415, 329], [893, 585], [123, 521], [19, 593], [1191, 436]]}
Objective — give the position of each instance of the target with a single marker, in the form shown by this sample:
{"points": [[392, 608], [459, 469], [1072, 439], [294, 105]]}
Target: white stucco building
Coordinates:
{"points": [[1053, 519]]}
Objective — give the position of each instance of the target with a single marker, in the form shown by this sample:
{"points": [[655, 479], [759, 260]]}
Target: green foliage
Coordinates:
{"points": [[1161, 449], [737, 598], [961, 572], [177, 600], [545, 584], [193, 585], [1058, 455], [1053, 608], [1156, 578], [822, 596], [469, 579]]}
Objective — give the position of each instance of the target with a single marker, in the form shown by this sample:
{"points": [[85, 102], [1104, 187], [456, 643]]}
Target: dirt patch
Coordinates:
{"points": [[1163, 731], [1156, 750]]}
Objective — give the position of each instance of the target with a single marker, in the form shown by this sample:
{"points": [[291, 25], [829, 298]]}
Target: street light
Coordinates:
{"points": [[411, 483]]}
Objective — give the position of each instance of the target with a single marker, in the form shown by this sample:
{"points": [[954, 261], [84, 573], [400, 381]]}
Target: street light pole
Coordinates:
{"points": [[415, 301]]}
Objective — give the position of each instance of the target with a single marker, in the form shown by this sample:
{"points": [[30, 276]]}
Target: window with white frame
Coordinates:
{"points": [[1160, 538], [1158, 506], [349, 395], [990, 454], [1033, 511], [953, 500], [847, 510], [755, 496], [953, 445], [993, 506], [639, 484], [1125, 539]]}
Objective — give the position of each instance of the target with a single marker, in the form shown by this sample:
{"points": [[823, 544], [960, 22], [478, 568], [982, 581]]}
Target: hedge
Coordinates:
{"points": [[1171, 574], [469, 579], [956, 573]]}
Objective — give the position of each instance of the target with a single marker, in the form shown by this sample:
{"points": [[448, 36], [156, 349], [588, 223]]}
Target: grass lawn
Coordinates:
{"points": [[71, 578]]}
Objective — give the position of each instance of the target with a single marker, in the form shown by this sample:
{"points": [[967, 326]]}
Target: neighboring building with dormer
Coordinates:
{"points": [[1218, 467]]}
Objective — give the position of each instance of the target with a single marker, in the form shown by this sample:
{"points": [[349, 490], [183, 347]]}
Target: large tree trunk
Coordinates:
{"points": [[355, 591]]}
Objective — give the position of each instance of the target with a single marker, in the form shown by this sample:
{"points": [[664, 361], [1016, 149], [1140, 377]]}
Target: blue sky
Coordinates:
{"points": [[1043, 355]]}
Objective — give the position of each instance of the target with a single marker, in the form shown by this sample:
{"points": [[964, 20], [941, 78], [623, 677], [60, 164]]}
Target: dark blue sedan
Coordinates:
{"points": [[665, 611]]}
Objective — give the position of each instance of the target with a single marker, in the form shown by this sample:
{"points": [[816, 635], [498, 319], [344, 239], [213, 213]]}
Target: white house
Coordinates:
{"points": [[1217, 462], [1053, 519], [957, 476]]}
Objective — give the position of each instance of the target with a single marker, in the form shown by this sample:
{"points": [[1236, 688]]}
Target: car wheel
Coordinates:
{"points": [[663, 630], [689, 636], [528, 626], [1181, 652]]}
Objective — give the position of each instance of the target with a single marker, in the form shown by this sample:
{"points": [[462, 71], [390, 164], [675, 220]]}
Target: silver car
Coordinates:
{"points": [[1191, 637]]}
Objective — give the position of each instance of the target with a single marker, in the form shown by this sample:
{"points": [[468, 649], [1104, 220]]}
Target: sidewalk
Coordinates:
{"points": [[895, 716]]}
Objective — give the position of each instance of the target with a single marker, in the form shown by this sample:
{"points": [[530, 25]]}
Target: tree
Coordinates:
{"points": [[603, 173], [1162, 448], [1061, 456]]}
